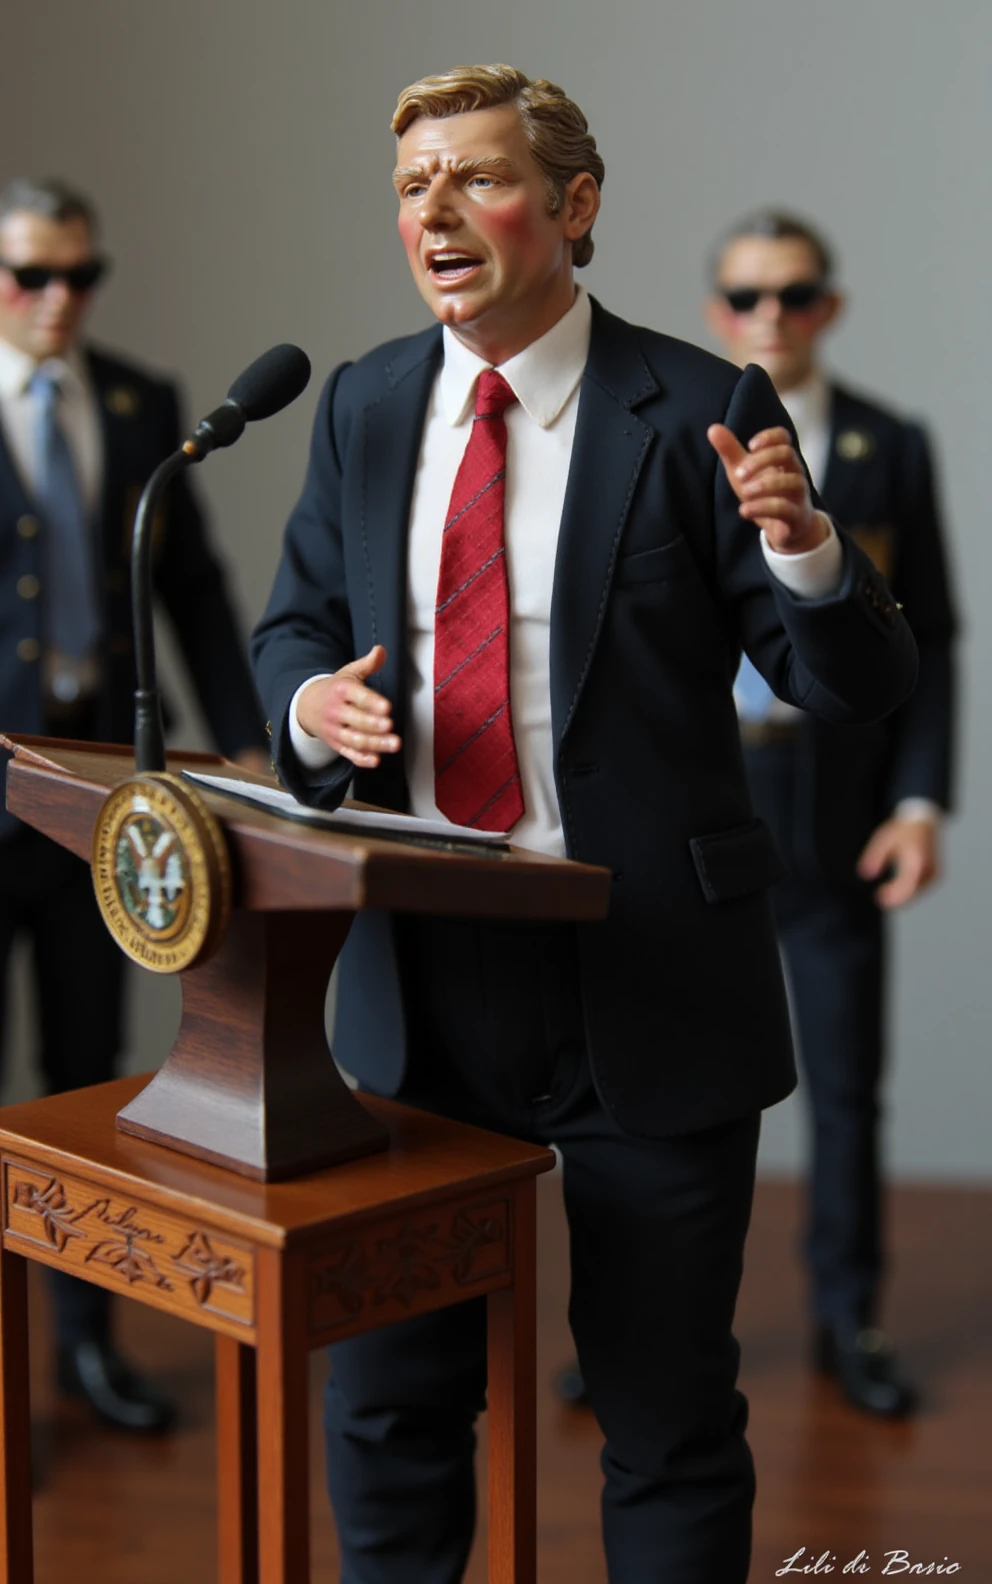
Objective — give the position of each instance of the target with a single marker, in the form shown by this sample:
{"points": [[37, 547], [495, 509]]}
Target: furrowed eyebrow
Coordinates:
{"points": [[468, 167]]}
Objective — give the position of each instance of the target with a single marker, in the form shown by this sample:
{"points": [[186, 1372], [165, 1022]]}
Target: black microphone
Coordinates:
{"points": [[266, 387]]}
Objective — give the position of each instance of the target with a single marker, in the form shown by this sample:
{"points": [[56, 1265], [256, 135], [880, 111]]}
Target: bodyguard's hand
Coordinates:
{"points": [[770, 482], [255, 759], [909, 850], [348, 716]]}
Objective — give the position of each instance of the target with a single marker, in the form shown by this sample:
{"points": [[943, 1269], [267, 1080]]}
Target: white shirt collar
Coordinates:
{"points": [[17, 369], [808, 404], [542, 376]]}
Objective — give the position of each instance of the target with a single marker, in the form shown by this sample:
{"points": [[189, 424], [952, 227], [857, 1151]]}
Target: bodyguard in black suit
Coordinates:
{"points": [[645, 1046], [113, 424], [855, 809]]}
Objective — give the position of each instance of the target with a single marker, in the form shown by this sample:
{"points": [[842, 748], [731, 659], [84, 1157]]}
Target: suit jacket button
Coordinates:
{"points": [[27, 527], [29, 649], [28, 587]]}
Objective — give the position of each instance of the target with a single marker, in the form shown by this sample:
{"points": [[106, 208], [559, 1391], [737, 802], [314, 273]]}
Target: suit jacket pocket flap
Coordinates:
{"points": [[733, 863], [670, 560]]}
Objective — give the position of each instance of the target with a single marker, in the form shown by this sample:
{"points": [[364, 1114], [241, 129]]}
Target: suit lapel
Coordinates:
{"points": [[608, 451], [393, 427], [18, 501], [842, 481], [122, 478]]}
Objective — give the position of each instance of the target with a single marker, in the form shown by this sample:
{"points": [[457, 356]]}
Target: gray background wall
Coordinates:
{"points": [[241, 154]]}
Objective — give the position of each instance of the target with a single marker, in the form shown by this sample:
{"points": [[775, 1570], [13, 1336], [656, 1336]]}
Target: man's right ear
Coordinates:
{"points": [[715, 312], [832, 308]]}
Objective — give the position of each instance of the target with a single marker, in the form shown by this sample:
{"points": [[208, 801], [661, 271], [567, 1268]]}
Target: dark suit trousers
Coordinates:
{"points": [[46, 895], [657, 1233], [833, 939]]}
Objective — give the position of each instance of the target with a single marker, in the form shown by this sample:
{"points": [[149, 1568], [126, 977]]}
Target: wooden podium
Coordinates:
{"points": [[282, 1212]]}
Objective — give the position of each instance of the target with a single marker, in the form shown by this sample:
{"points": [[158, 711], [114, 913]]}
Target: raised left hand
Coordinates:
{"points": [[770, 482], [909, 850]]}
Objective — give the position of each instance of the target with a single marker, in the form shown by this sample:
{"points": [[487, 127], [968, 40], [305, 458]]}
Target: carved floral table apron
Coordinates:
{"points": [[274, 1269]]}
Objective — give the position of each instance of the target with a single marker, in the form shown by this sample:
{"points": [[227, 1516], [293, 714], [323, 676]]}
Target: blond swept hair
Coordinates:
{"points": [[555, 128]]}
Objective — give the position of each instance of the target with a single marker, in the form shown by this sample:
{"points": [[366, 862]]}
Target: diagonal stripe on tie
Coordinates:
{"points": [[476, 773], [497, 478]]}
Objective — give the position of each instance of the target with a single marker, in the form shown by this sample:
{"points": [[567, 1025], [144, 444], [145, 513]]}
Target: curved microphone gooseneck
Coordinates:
{"points": [[267, 386]]}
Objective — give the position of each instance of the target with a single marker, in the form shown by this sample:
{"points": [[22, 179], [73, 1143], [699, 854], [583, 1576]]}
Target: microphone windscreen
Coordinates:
{"points": [[271, 382]]}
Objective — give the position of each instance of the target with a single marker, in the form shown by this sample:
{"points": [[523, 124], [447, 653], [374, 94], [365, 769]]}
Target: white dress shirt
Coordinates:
{"points": [[79, 418], [545, 378], [77, 412]]}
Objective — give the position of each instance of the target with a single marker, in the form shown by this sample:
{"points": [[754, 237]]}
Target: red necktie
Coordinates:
{"points": [[476, 775]]}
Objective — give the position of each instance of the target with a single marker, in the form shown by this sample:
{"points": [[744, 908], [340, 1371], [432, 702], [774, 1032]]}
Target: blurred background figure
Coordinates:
{"points": [[80, 433], [856, 811]]}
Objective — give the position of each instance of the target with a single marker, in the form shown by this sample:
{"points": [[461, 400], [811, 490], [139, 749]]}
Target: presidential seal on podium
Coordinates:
{"points": [[162, 873]]}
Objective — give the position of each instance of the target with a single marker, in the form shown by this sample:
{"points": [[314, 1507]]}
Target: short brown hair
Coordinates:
{"points": [[779, 225], [555, 128], [51, 198]]}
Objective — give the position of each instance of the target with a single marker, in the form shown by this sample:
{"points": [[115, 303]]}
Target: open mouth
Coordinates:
{"points": [[452, 265]]}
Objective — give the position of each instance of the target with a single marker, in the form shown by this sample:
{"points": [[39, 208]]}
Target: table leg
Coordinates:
{"points": [[237, 1487], [512, 1331], [16, 1542], [282, 1375]]}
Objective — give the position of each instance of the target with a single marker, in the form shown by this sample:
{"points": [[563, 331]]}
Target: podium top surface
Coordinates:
{"points": [[428, 1156], [59, 786]]}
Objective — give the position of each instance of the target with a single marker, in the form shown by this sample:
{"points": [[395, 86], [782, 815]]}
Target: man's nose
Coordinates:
{"points": [[769, 307], [57, 293], [437, 204]]}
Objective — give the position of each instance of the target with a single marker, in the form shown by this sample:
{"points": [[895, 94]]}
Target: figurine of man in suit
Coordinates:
{"points": [[856, 810], [80, 434], [530, 545]]}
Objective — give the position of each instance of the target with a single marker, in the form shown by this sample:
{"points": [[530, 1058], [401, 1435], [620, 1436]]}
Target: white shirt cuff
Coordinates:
{"points": [[310, 751], [919, 808], [812, 574]]}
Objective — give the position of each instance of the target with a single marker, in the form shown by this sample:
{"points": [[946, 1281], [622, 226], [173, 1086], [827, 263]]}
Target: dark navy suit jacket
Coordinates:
{"points": [[140, 427], [658, 582], [879, 484]]}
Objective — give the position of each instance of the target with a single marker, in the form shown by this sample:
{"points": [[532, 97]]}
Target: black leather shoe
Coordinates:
{"points": [[570, 1388], [120, 1396], [865, 1368]]}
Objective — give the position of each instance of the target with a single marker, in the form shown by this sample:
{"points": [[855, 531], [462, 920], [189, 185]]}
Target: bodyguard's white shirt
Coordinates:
{"points": [[545, 378], [77, 412]]}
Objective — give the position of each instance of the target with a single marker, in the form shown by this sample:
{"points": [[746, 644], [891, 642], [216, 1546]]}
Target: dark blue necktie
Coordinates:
{"points": [[754, 697], [71, 605]]}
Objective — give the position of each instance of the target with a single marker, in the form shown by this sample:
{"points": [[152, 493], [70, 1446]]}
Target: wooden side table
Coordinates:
{"points": [[274, 1269]]}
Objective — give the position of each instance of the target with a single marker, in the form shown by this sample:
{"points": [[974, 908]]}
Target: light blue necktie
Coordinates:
{"points": [[753, 696], [72, 608]]}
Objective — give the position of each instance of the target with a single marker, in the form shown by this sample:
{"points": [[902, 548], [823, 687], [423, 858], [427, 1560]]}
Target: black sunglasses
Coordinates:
{"points": [[78, 277], [795, 298]]}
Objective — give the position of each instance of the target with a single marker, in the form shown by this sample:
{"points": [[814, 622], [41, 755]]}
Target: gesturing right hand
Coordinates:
{"points": [[348, 716]]}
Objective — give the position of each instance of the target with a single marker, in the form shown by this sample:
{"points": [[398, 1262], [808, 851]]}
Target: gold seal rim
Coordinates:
{"points": [[208, 862]]}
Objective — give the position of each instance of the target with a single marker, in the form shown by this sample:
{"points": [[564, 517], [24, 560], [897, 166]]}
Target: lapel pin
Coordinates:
{"points": [[122, 401], [855, 445]]}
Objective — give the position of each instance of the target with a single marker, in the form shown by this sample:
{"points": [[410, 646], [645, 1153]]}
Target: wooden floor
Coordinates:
{"points": [[120, 1511]]}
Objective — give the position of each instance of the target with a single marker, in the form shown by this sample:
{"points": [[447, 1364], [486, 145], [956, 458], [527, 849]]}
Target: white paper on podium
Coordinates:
{"points": [[366, 822]]}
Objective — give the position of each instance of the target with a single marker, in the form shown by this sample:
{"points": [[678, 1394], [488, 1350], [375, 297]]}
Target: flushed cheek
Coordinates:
{"points": [[411, 232], [12, 297], [514, 232]]}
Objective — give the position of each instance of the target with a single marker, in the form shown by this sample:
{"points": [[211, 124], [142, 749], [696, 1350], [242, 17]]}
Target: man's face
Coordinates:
{"points": [[487, 257], [42, 323], [781, 339]]}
